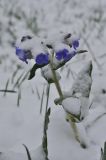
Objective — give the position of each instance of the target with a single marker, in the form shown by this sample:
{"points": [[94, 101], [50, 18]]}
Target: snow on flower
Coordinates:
{"points": [[72, 41], [36, 48], [65, 54], [21, 55], [43, 51], [24, 38]]}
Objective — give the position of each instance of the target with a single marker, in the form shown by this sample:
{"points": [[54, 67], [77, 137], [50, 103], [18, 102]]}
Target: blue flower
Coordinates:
{"points": [[75, 44], [70, 55], [42, 59], [65, 55], [62, 54], [21, 55]]}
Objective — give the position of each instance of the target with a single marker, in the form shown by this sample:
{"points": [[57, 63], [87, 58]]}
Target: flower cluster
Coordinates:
{"points": [[43, 58], [65, 55]]}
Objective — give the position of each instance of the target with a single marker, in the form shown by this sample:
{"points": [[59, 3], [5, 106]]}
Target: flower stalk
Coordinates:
{"points": [[71, 118], [46, 122]]}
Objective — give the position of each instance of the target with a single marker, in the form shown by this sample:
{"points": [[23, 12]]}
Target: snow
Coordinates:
{"points": [[47, 73], [24, 124], [83, 82], [72, 105], [94, 115], [84, 107], [59, 46], [83, 137], [34, 45], [35, 155]]}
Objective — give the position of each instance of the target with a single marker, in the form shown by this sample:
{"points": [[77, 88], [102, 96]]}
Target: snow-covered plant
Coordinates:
{"points": [[49, 55], [76, 102]]}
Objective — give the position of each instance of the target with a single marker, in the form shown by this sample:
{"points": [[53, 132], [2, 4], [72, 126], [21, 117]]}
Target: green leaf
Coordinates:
{"points": [[41, 105], [17, 82], [19, 97], [10, 91], [45, 140], [28, 153], [104, 154], [33, 70], [101, 154], [23, 79], [37, 92], [47, 120], [81, 51], [14, 74], [6, 87]]}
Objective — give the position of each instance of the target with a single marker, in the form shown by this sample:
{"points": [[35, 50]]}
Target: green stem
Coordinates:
{"points": [[72, 122], [56, 81], [45, 139], [57, 84]]}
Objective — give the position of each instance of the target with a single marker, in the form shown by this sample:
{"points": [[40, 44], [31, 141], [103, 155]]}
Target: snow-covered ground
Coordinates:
{"points": [[23, 124]]}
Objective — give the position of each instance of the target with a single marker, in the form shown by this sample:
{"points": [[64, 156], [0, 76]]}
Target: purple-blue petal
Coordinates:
{"points": [[42, 59], [61, 54], [21, 55], [75, 44], [70, 55]]}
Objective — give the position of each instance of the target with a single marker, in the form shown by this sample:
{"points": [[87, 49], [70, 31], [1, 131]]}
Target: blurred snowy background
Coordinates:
{"points": [[20, 118]]}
